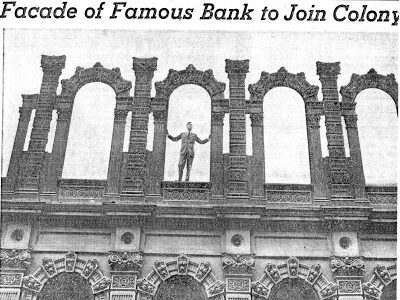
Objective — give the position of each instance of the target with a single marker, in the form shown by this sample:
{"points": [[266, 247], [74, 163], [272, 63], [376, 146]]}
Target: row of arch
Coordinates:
{"points": [[291, 280], [219, 106]]}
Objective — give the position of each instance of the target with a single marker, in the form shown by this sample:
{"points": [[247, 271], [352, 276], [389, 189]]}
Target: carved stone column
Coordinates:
{"points": [[355, 155], [136, 161], [348, 273], [13, 265], [237, 70], [31, 173], [117, 145], [339, 177], [25, 111], [238, 269], [156, 168], [125, 268], [54, 171], [315, 155], [258, 162], [216, 155]]}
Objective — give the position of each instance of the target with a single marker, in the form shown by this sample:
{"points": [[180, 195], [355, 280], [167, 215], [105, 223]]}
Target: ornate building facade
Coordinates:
{"points": [[136, 236]]}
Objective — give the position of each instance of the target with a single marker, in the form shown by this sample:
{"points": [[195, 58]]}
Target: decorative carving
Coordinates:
{"points": [[313, 120], [25, 113], [289, 197], [70, 260], [238, 264], [185, 190], [15, 258], [97, 73], [371, 291], [372, 79], [31, 283], [314, 273], [88, 189], [125, 261], [293, 266], [216, 289], [64, 114], [10, 280], [259, 289], [53, 62], [328, 69], [124, 282], [190, 76], [90, 267], [349, 286], [236, 66], [383, 274], [351, 121], [238, 284], [273, 272], [120, 115], [146, 286], [347, 266], [102, 285], [161, 268], [257, 120], [49, 267], [283, 78], [202, 271], [144, 64], [329, 291], [217, 118], [182, 264]]}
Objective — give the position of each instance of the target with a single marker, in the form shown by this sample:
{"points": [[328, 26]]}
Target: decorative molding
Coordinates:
{"points": [[15, 258], [347, 287], [10, 279], [347, 266], [238, 264], [181, 191], [123, 281], [236, 66], [97, 73], [238, 285], [282, 78], [53, 62], [144, 64], [190, 75], [125, 261], [328, 69]]}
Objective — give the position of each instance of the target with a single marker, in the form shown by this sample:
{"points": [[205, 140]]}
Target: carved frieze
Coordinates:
{"points": [[238, 285], [347, 266], [15, 258], [123, 282], [172, 190], [349, 287], [10, 280], [238, 264], [125, 261]]}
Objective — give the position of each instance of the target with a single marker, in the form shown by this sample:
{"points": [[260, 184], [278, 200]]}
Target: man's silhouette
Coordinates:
{"points": [[187, 149]]}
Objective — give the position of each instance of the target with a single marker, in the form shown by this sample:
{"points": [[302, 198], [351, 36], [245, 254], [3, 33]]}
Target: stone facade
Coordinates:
{"points": [[135, 236]]}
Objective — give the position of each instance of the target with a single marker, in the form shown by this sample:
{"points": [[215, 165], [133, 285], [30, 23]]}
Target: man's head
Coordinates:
{"points": [[189, 126]]}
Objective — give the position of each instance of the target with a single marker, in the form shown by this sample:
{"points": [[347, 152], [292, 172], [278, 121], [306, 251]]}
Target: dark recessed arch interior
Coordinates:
{"points": [[180, 287], [293, 289]]}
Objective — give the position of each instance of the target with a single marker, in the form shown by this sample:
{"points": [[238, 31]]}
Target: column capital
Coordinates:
{"points": [[236, 66], [351, 121], [52, 62], [313, 120], [160, 116], [30, 99], [144, 64], [120, 115], [25, 113], [217, 118], [328, 69], [64, 113], [257, 119]]}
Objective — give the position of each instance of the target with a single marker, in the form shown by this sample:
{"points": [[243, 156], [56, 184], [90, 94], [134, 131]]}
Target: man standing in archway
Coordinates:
{"points": [[187, 149]]}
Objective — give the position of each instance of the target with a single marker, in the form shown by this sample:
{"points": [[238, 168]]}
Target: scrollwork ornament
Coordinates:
{"points": [[15, 258], [347, 266], [125, 261], [238, 264]]}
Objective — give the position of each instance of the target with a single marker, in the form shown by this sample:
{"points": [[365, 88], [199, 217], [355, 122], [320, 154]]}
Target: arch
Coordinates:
{"points": [[372, 79], [190, 75], [293, 289], [180, 287], [308, 276], [283, 78], [182, 265], [382, 277], [97, 73], [70, 263]]}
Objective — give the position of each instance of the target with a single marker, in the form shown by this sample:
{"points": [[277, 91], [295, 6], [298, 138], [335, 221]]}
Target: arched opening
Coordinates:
{"points": [[377, 127], [293, 289], [182, 288], [189, 103], [89, 140], [66, 286], [389, 291], [285, 137]]}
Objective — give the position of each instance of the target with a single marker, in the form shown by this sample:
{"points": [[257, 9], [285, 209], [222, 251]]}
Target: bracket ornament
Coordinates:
{"points": [[15, 258], [238, 264], [347, 266], [125, 261]]}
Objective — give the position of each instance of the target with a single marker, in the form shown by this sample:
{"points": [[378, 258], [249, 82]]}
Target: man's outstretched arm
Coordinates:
{"points": [[202, 141], [174, 139]]}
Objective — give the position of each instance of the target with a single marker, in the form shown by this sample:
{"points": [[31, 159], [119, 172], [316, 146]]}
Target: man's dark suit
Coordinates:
{"points": [[187, 151]]}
